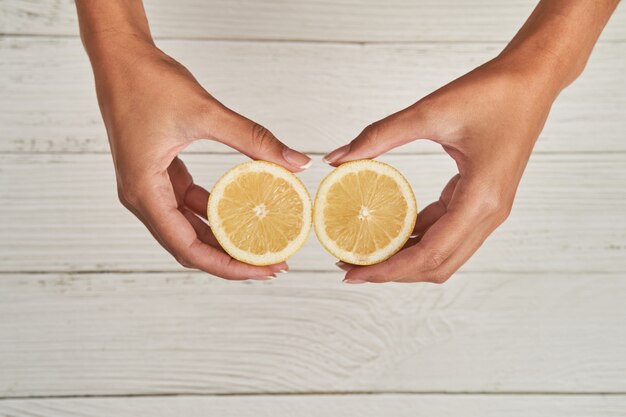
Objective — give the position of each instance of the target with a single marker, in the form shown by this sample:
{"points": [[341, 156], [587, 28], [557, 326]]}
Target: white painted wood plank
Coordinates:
{"points": [[60, 212], [432, 405], [313, 96], [120, 334], [320, 20]]}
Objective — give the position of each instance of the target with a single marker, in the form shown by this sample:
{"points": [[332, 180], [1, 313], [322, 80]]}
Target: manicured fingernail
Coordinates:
{"points": [[265, 278], [297, 159], [413, 236], [283, 271], [354, 281], [336, 154]]}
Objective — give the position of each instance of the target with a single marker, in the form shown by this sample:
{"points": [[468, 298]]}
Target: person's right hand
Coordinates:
{"points": [[153, 108], [488, 121]]}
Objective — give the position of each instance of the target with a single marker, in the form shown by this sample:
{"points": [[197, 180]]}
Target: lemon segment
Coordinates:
{"points": [[364, 212], [260, 213]]}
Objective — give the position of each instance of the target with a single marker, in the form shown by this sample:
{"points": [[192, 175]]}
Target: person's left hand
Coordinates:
{"points": [[488, 122]]}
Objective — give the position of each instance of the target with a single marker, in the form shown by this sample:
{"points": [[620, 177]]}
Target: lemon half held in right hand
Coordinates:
{"points": [[364, 212]]}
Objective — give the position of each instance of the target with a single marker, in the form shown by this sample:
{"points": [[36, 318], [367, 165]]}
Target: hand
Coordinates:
{"points": [[488, 122], [153, 108]]}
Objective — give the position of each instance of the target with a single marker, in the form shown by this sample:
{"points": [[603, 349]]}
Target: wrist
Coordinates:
{"points": [[113, 28], [116, 52], [538, 70]]}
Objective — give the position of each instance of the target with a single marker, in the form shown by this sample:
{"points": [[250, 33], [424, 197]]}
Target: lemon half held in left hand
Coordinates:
{"points": [[260, 213]]}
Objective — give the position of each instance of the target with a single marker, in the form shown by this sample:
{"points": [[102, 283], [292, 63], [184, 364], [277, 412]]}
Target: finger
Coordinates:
{"points": [[197, 200], [180, 178], [145, 223], [464, 215], [344, 266], [192, 198], [203, 231], [433, 212], [395, 130], [427, 218], [454, 262], [159, 209], [205, 234], [466, 249], [187, 193], [256, 141]]}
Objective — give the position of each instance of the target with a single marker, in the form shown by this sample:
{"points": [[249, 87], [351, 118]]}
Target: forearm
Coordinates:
{"points": [[557, 39]]}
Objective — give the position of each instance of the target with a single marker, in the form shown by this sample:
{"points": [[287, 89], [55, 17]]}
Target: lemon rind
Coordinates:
{"points": [[214, 220], [390, 249]]}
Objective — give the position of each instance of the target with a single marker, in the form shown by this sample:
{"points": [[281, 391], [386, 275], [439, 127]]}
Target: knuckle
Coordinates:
{"points": [[121, 197], [433, 260], [261, 138], [490, 203], [505, 211], [495, 206], [183, 260], [128, 196], [439, 277], [372, 132]]}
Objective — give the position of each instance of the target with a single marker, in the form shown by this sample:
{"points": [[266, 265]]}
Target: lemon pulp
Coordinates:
{"points": [[364, 212], [260, 213]]}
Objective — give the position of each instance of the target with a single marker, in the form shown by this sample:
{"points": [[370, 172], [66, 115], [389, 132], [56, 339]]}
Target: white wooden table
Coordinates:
{"points": [[97, 320]]}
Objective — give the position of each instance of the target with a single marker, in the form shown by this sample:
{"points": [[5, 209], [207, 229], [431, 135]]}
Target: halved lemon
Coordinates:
{"points": [[260, 213], [364, 212]]}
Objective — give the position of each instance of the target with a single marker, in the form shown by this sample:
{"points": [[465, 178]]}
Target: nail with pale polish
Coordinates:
{"points": [[354, 281], [296, 159], [265, 278], [336, 154], [283, 271]]}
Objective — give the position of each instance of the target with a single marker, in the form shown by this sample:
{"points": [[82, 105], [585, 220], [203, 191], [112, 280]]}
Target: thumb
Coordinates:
{"points": [[395, 130], [257, 142]]}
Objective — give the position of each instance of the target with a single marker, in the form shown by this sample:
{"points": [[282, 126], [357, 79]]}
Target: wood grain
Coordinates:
{"points": [[314, 97], [121, 334], [60, 212], [90, 305], [311, 20], [314, 406]]}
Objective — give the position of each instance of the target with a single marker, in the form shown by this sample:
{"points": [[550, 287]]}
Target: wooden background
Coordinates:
{"points": [[97, 320]]}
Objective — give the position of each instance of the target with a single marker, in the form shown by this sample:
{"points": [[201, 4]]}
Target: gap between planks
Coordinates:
{"points": [[327, 394]]}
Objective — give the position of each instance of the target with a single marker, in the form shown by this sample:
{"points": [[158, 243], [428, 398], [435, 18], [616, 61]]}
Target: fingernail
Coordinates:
{"points": [[354, 281], [336, 154], [283, 271], [264, 278], [342, 265], [413, 236], [296, 158]]}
